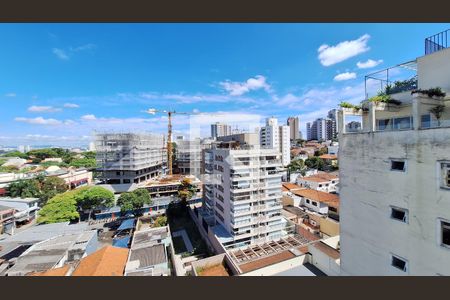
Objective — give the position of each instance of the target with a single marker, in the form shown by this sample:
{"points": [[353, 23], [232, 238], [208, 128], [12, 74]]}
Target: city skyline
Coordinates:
{"points": [[86, 77]]}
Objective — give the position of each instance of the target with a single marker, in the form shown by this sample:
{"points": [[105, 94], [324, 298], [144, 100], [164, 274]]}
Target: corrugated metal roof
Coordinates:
{"points": [[149, 256]]}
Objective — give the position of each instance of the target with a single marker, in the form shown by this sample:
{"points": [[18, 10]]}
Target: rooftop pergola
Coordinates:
{"points": [[406, 70]]}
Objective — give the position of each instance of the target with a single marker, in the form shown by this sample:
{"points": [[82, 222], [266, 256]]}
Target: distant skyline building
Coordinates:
{"points": [[276, 137], [321, 129], [24, 148], [220, 129], [294, 125]]}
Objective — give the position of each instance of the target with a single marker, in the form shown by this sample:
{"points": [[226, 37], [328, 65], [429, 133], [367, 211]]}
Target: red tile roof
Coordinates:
{"points": [[329, 199], [328, 156], [108, 261], [291, 186]]}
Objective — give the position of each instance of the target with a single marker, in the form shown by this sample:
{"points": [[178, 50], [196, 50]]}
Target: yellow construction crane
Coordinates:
{"points": [[169, 113]]}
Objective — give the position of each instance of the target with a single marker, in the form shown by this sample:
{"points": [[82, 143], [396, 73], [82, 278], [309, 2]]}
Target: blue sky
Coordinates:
{"points": [[61, 82]]}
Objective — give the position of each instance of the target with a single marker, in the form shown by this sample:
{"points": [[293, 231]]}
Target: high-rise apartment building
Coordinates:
{"points": [[276, 137], [321, 129], [244, 190], [129, 158], [220, 129], [395, 177], [294, 125]]}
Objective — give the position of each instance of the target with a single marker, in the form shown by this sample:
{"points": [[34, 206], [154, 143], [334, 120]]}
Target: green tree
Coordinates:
{"points": [[15, 154], [187, 190], [50, 187], [126, 201], [25, 188], [94, 197], [132, 201], [315, 163], [42, 154], [296, 165], [321, 151], [83, 163], [160, 221], [89, 154], [60, 208]]}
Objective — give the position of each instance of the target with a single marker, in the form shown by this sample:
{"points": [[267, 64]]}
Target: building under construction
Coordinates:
{"points": [[125, 158]]}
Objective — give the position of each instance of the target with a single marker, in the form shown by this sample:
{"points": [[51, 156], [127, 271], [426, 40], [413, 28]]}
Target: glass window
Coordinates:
{"points": [[399, 214], [445, 233], [403, 123], [398, 165], [425, 121], [398, 263], [384, 124]]}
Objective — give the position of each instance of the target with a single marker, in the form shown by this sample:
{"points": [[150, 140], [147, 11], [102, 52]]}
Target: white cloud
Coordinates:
{"points": [[330, 55], [370, 63], [83, 48], [235, 88], [71, 105], [60, 53], [10, 95], [47, 109], [88, 117], [38, 121], [345, 76]]}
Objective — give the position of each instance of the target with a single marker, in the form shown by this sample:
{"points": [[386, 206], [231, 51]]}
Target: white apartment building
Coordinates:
{"points": [[244, 191], [220, 129], [395, 179], [126, 158], [276, 137]]}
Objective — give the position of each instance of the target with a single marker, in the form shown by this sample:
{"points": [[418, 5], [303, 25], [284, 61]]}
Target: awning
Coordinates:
{"points": [[122, 242], [127, 224]]}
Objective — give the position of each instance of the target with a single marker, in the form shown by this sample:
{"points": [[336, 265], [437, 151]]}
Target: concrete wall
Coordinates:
{"points": [[434, 70], [367, 190], [328, 226], [323, 262]]}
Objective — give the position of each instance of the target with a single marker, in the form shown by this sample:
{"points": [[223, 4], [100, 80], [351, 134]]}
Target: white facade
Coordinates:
{"points": [[395, 190], [246, 198], [318, 184], [276, 137]]}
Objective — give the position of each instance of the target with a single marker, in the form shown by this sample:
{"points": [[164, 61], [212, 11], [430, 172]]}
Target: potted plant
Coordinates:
{"points": [[435, 93]]}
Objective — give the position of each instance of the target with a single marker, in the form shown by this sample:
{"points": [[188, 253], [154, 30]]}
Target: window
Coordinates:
{"points": [[399, 263], [314, 203], [398, 165], [445, 234], [403, 123], [384, 124], [425, 121], [399, 214], [126, 181], [445, 175], [307, 201]]}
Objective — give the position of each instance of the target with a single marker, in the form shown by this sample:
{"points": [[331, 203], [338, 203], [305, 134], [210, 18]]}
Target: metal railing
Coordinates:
{"points": [[437, 42]]}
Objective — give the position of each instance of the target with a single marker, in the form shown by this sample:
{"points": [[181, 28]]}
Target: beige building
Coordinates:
{"points": [[395, 178]]}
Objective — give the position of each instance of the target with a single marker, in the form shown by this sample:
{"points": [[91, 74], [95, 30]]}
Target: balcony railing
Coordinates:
{"points": [[437, 42]]}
